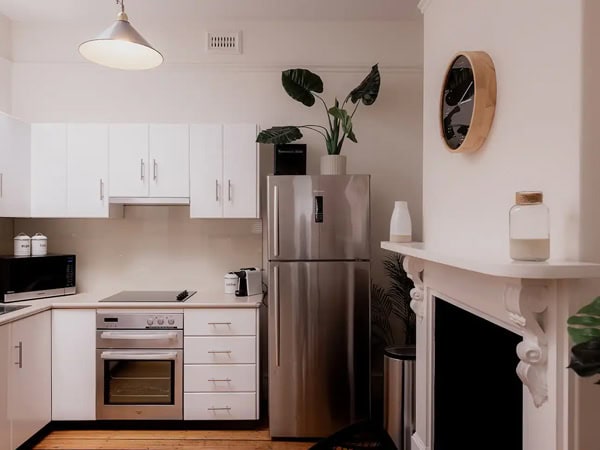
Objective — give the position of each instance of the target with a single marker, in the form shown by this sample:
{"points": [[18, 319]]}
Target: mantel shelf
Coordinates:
{"points": [[552, 269]]}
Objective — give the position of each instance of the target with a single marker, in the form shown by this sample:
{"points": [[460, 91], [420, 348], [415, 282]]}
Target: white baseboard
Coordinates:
{"points": [[417, 443]]}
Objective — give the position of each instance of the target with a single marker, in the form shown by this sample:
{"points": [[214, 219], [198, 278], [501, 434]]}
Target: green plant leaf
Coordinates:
{"points": [[368, 89], [345, 119], [585, 358], [585, 324], [300, 84], [279, 135]]}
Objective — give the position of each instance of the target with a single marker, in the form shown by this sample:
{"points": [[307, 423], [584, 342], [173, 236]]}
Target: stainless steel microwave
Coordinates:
{"points": [[33, 277]]}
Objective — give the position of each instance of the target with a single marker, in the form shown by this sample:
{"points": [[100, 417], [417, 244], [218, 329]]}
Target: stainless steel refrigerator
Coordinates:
{"points": [[319, 307]]}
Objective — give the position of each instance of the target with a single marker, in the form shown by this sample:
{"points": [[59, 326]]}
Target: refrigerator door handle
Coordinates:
{"points": [[275, 220], [319, 208], [276, 313]]}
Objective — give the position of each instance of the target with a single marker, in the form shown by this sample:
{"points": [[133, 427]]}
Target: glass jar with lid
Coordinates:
{"points": [[529, 223]]}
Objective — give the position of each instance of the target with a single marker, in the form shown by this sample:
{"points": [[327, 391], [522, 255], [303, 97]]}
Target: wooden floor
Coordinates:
{"points": [[167, 440]]}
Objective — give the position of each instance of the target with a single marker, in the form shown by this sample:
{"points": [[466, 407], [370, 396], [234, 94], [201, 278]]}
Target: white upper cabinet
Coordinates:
{"points": [[49, 170], [87, 170], [128, 155], [15, 171], [224, 171], [149, 162], [240, 171]]}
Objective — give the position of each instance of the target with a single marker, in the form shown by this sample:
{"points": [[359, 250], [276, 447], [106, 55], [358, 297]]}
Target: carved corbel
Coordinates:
{"points": [[414, 270], [525, 302]]}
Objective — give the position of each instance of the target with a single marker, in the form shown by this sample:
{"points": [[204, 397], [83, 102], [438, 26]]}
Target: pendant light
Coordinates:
{"points": [[120, 46]]}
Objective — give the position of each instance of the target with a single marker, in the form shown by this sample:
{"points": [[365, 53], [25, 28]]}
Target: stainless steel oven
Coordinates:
{"points": [[139, 365]]}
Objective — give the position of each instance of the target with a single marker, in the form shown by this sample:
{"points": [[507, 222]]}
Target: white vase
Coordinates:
{"points": [[400, 223], [333, 165]]}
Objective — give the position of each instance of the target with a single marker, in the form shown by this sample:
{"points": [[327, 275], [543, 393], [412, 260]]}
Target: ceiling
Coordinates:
{"points": [[182, 10]]}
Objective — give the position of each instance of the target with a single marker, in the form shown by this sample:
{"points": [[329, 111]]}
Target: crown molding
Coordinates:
{"points": [[423, 5]]}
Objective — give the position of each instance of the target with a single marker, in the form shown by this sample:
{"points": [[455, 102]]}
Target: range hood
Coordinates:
{"points": [[149, 200]]}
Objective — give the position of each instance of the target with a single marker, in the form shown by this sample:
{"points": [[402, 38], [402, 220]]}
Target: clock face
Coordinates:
{"points": [[458, 99]]}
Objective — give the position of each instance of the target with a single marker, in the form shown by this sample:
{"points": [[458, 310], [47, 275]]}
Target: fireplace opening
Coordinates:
{"points": [[478, 397]]}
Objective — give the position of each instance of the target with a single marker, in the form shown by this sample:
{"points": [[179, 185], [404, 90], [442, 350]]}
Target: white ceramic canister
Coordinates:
{"points": [[22, 245], [231, 281], [400, 223], [39, 245]]}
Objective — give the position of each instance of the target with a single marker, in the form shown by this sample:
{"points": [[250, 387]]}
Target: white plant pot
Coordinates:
{"points": [[400, 223], [333, 165]]}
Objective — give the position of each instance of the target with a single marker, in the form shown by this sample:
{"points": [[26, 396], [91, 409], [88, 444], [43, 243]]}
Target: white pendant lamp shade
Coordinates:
{"points": [[120, 46]]}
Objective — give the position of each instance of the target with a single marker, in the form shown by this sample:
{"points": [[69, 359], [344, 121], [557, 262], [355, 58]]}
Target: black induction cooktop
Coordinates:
{"points": [[150, 296]]}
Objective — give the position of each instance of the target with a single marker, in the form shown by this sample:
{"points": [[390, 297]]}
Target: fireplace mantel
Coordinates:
{"points": [[532, 300]]}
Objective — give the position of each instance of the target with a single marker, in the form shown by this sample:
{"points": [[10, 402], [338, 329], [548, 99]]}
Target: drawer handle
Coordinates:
{"points": [[220, 351], [226, 380], [219, 323], [212, 408]]}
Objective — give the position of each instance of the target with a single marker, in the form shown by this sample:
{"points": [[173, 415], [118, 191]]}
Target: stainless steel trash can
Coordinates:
{"points": [[399, 394]]}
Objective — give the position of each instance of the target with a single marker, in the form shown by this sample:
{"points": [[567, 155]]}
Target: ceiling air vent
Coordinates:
{"points": [[219, 42]]}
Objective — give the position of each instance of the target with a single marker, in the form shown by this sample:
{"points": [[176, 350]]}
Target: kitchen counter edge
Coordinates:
{"points": [[89, 301]]}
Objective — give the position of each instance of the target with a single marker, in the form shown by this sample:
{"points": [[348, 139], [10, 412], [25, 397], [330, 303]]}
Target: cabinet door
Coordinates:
{"points": [[5, 365], [15, 171], [169, 160], [206, 171], [29, 406], [128, 160], [240, 171], [49, 170], [87, 170], [73, 364]]}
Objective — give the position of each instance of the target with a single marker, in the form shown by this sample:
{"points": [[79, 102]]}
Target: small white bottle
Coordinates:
{"points": [[400, 223], [529, 223]]}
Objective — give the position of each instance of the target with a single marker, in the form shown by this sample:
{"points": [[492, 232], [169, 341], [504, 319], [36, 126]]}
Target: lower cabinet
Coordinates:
{"points": [[5, 364], [74, 364], [221, 364], [29, 376]]}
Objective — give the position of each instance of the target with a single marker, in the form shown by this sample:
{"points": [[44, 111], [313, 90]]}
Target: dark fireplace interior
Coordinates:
{"points": [[478, 397]]}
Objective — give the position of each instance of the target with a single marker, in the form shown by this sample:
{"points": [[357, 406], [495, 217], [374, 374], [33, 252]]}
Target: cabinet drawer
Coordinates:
{"points": [[219, 350], [239, 406], [217, 378], [220, 322]]}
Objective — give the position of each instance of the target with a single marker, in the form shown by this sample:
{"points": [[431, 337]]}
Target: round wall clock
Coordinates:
{"points": [[468, 101]]}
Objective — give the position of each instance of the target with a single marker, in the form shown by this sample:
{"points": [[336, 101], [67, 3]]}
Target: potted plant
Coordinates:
{"points": [[584, 329], [304, 86]]}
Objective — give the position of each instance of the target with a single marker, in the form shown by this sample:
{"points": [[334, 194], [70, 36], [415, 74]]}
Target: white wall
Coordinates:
{"points": [[52, 83], [535, 138], [5, 64]]}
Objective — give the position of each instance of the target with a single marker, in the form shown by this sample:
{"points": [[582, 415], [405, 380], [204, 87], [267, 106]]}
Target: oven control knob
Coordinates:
{"points": [[171, 322], [161, 321], [150, 321]]}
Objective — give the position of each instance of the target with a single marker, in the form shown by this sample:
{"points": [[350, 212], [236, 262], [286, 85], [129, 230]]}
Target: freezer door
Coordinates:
{"points": [[344, 232], [319, 329], [293, 233]]}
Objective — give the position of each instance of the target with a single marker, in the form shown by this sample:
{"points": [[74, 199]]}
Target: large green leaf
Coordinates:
{"points": [[279, 135], [368, 89], [585, 358], [300, 84], [345, 119], [585, 324]]}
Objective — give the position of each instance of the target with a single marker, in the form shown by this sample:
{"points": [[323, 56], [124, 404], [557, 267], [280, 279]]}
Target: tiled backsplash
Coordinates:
{"points": [[152, 247]]}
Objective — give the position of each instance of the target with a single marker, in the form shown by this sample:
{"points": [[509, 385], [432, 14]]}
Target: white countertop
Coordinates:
{"points": [[92, 301], [551, 269]]}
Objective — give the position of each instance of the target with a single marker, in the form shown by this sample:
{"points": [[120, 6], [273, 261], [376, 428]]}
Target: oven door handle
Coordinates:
{"points": [[154, 356], [117, 335]]}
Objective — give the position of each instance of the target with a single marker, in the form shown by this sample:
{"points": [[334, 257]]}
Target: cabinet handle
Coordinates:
{"points": [[217, 190], [1, 185], [229, 190], [219, 351], [155, 168], [20, 348], [142, 169], [219, 323], [226, 380], [227, 408], [101, 189]]}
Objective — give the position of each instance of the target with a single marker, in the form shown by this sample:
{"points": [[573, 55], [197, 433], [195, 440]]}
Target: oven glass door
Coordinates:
{"points": [[140, 377]]}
